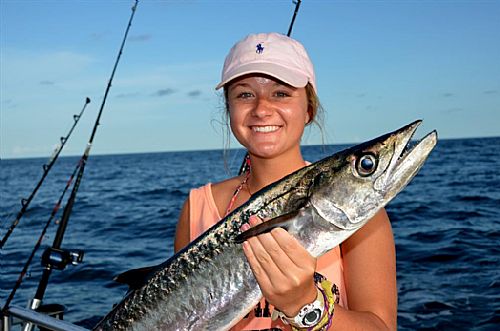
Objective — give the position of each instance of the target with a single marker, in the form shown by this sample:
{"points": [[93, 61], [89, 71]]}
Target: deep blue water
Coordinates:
{"points": [[446, 225]]}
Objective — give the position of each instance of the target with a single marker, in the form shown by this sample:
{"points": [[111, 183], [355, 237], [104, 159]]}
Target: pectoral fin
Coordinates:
{"points": [[135, 278], [282, 221]]}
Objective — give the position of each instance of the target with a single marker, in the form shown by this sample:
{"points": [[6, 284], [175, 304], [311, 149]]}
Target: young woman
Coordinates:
{"points": [[270, 93]]}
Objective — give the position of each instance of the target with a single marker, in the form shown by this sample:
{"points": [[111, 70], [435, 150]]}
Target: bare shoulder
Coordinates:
{"points": [[379, 227], [370, 269], [226, 185], [223, 191]]}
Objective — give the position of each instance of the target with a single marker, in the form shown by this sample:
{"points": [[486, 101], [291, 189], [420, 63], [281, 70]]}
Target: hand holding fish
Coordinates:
{"points": [[283, 268]]}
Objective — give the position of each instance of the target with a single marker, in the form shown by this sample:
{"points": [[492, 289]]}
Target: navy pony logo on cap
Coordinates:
{"points": [[259, 49]]}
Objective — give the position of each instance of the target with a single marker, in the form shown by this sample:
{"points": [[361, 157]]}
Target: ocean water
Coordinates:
{"points": [[446, 225]]}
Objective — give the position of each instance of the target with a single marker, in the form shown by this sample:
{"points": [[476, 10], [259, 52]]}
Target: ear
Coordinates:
{"points": [[308, 115]]}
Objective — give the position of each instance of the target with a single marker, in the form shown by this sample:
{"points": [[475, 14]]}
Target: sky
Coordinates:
{"points": [[379, 65]]}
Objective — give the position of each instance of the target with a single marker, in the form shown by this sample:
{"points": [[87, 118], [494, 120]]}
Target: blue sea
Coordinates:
{"points": [[446, 225]]}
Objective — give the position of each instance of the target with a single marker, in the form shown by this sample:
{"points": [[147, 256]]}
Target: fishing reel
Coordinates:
{"points": [[59, 258]]}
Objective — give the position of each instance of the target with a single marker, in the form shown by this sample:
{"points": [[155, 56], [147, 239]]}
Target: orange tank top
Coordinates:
{"points": [[203, 214]]}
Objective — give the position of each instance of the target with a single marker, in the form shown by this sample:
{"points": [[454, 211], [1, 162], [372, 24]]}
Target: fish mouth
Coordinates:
{"points": [[399, 160], [407, 159]]}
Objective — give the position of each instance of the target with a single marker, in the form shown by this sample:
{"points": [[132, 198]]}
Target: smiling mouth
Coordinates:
{"points": [[265, 129]]}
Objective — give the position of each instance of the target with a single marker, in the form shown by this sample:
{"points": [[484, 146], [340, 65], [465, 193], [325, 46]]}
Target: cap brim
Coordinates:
{"points": [[286, 75]]}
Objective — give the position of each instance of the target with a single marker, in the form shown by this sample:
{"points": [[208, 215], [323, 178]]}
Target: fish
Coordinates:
{"points": [[209, 285]]}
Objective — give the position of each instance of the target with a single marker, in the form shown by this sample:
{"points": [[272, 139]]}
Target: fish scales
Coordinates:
{"points": [[209, 284], [208, 254]]}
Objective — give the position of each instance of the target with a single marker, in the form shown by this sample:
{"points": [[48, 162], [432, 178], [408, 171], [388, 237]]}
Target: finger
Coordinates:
{"points": [[273, 256], [300, 257], [264, 266], [262, 257], [259, 273], [254, 220]]}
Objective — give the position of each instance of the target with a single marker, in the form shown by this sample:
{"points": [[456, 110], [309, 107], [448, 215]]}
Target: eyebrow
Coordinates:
{"points": [[238, 84], [275, 84]]}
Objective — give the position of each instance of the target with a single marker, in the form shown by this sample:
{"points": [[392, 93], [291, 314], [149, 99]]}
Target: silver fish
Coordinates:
{"points": [[209, 284]]}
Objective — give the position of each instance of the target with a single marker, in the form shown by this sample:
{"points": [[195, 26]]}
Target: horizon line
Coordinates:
{"points": [[211, 149]]}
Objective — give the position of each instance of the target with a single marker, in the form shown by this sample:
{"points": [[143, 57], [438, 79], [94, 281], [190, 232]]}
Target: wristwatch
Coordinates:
{"points": [[309, 315]]}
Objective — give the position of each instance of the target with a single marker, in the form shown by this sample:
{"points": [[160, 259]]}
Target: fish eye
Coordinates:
{"points": [[366, 164]]}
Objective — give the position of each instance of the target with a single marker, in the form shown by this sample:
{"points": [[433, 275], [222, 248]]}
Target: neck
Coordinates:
{"points": [[266, 171]]}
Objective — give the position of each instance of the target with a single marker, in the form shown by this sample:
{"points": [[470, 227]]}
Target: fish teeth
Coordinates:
{"points": [[267, 128]]}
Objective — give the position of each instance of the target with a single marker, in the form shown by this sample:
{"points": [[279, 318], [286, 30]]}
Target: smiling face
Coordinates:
{"points": [[267, 116]]}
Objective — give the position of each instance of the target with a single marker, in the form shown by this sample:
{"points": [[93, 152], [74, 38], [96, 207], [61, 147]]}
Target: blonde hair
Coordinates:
{"points": [[314, 108]]}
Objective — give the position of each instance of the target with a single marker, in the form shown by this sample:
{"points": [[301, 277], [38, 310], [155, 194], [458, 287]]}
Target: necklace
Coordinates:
{"points": [[244, 182], [237, 191]]}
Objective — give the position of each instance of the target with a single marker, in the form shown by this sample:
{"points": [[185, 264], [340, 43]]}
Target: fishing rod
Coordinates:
{"points": [[297, 6], [72, 257], [245, 165], [46, 168], [56, 245], [53, 255]]}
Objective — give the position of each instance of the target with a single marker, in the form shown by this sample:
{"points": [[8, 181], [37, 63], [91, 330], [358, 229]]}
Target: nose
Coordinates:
{"points": [[262, 108]]}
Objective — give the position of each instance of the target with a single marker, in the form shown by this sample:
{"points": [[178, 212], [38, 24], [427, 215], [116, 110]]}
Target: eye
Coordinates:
{"points": [[366, 164], [244, 95], [282, 94]]}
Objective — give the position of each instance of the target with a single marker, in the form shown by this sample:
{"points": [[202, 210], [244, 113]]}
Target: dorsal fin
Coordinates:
{"points": [[135, 278]]}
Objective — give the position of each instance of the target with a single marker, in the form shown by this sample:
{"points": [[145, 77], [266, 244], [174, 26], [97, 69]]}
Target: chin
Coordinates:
{"points": [[266, 152], [263, 153]]}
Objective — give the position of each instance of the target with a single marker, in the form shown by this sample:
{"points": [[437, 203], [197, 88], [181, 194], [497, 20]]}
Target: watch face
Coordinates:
{"points": [[312, 317]]}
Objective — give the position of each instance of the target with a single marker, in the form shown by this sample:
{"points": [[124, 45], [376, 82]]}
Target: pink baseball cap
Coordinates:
{"points": [[272, 54]]}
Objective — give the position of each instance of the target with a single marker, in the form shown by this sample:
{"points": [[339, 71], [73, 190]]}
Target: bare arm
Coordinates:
{"points": [[370, 275], [182, 233], [284, 271]]}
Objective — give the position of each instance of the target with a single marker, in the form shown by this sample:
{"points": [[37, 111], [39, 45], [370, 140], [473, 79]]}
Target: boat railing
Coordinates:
{"points": [[17, 315]]}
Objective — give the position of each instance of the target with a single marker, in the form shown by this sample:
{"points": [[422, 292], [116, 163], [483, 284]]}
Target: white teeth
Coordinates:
{"points": [[268, 128]]}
